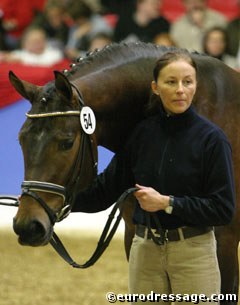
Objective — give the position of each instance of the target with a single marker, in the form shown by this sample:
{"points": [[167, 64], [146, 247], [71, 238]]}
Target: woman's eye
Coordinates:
{"points": [[170, 82], [65, 144], [187, 82]]}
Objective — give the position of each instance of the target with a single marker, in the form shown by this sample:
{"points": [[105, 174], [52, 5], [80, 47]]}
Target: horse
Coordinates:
{"points": [[115, 83]]}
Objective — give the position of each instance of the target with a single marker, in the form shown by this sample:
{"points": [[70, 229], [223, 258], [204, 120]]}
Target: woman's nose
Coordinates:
{"points": [[179, 88]]}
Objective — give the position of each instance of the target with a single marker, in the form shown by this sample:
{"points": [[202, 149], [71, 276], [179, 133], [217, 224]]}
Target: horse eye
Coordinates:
{"points": [[65, 144]]}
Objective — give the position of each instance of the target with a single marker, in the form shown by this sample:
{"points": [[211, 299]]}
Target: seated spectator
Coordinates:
{"points": [[2, 33], [233, 35], [86, 24], [215, 45], [118, 7], [164, 39], [17, 16], [189, 29], [143, 24], [115, 9], [34, 50], [99, 41], [52, 21]]}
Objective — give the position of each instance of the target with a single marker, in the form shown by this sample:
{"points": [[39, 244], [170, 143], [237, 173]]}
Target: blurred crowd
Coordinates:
{"points": [[43, 32]]}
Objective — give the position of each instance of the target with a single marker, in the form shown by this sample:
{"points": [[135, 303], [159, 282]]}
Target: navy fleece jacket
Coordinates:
{"points": [[184, 155]]}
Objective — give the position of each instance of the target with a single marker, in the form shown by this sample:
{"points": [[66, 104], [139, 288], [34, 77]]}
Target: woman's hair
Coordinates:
{"points": [[171, 56], [167, 58], [209, 32], [79, 9]]}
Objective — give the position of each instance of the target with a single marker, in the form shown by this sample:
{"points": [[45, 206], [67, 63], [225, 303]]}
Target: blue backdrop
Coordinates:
{"points": [[11, 160]]}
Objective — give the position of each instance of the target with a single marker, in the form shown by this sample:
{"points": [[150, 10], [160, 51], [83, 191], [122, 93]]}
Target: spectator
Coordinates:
{"points": [[99, 41], [215, 45], [52, 21], [144, 24], [233, 35], [118, 7], [164, 39], [95, 5], [86, 24], [2, 33], [17, 15], [189, 29], [34, 51]]}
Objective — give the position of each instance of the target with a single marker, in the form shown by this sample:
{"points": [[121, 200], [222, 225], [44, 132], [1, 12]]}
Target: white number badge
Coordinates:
{"points": [[88, 120]]}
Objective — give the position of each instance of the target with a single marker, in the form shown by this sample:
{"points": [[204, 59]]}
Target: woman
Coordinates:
{"points": [[34, 50], [181, 164], [85, 25], [143, 24], [215, 45]]}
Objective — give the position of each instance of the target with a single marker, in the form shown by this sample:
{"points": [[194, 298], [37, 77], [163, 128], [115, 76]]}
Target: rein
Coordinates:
{"points": [[104, 240]]}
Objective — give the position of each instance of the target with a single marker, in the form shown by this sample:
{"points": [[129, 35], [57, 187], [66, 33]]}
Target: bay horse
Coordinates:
{"points": [[115, 83]]}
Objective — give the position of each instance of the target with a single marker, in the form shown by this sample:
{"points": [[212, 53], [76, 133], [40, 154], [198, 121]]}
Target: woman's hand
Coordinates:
{"points": [[150, 200]]}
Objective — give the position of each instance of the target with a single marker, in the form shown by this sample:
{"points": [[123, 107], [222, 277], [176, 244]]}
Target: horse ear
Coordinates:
{"points": [[63, 85], [25, 89]]}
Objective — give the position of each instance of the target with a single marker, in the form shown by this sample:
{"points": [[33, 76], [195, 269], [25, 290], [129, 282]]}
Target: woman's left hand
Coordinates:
{"points": [[150, 200]]}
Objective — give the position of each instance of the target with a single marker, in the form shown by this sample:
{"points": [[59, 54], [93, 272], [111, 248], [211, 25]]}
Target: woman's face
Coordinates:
{"points": [[215, 43], [176, 86], [35, 42]]}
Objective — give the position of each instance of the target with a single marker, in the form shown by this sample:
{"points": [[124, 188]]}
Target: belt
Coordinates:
{"points": [[175, 234]]}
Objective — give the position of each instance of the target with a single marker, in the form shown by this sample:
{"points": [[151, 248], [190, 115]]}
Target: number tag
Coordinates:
{"points": [[88, 120]]}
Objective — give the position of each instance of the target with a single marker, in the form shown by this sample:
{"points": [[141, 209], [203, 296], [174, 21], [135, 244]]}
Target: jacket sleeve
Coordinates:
{"points": [[107, 187], [217, 206]]}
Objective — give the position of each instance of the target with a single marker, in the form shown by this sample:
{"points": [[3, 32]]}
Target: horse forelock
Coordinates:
{"points": [[48, 100]]}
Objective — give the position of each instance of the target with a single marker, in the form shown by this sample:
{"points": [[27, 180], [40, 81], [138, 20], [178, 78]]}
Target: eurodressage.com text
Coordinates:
{"points": [[156, 297]]}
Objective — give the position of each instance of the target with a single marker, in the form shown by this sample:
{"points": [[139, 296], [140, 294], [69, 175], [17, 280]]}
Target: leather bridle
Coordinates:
{"points": [[29, 188], [33, 188]]}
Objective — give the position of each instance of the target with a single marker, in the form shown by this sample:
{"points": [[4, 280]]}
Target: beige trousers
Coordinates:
{"points": [[188, 266]]}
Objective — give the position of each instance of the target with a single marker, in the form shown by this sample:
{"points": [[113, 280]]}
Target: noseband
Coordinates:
{"points": [[29, 188]]}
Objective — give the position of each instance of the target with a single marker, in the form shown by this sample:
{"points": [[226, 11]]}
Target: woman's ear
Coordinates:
{"points": [[154, 87]]}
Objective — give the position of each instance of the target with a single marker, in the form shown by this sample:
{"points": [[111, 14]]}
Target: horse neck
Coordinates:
{"points": [[111, 98]]}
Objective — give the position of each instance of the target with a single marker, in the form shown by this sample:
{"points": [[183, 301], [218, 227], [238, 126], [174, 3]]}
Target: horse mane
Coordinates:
{"points": [[119, 54], [115, 54]]}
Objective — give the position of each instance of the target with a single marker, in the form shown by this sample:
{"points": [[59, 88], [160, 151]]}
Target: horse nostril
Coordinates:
{"points": [[36, 229], [32, 233]]}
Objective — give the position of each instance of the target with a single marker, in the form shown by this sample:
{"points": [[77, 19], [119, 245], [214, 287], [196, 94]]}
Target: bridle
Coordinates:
{"points": [[33, 188], [29, 188]]}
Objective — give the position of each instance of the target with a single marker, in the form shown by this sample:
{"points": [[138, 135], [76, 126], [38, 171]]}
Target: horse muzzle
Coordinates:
{"points": [[35, 218], [34, 233]]}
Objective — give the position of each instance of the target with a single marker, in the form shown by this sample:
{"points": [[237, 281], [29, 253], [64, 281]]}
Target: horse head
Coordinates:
{"points": [[59, 157]]}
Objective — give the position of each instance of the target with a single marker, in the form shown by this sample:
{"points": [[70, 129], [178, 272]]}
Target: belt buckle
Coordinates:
{"points": [[166, 235], [159, 238]]}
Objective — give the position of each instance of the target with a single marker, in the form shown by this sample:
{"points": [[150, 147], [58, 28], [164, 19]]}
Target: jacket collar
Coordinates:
{"points": [[173, 123]]}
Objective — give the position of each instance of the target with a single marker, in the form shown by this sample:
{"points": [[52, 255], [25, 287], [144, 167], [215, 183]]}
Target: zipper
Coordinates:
{"points": [[163, 155]]}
